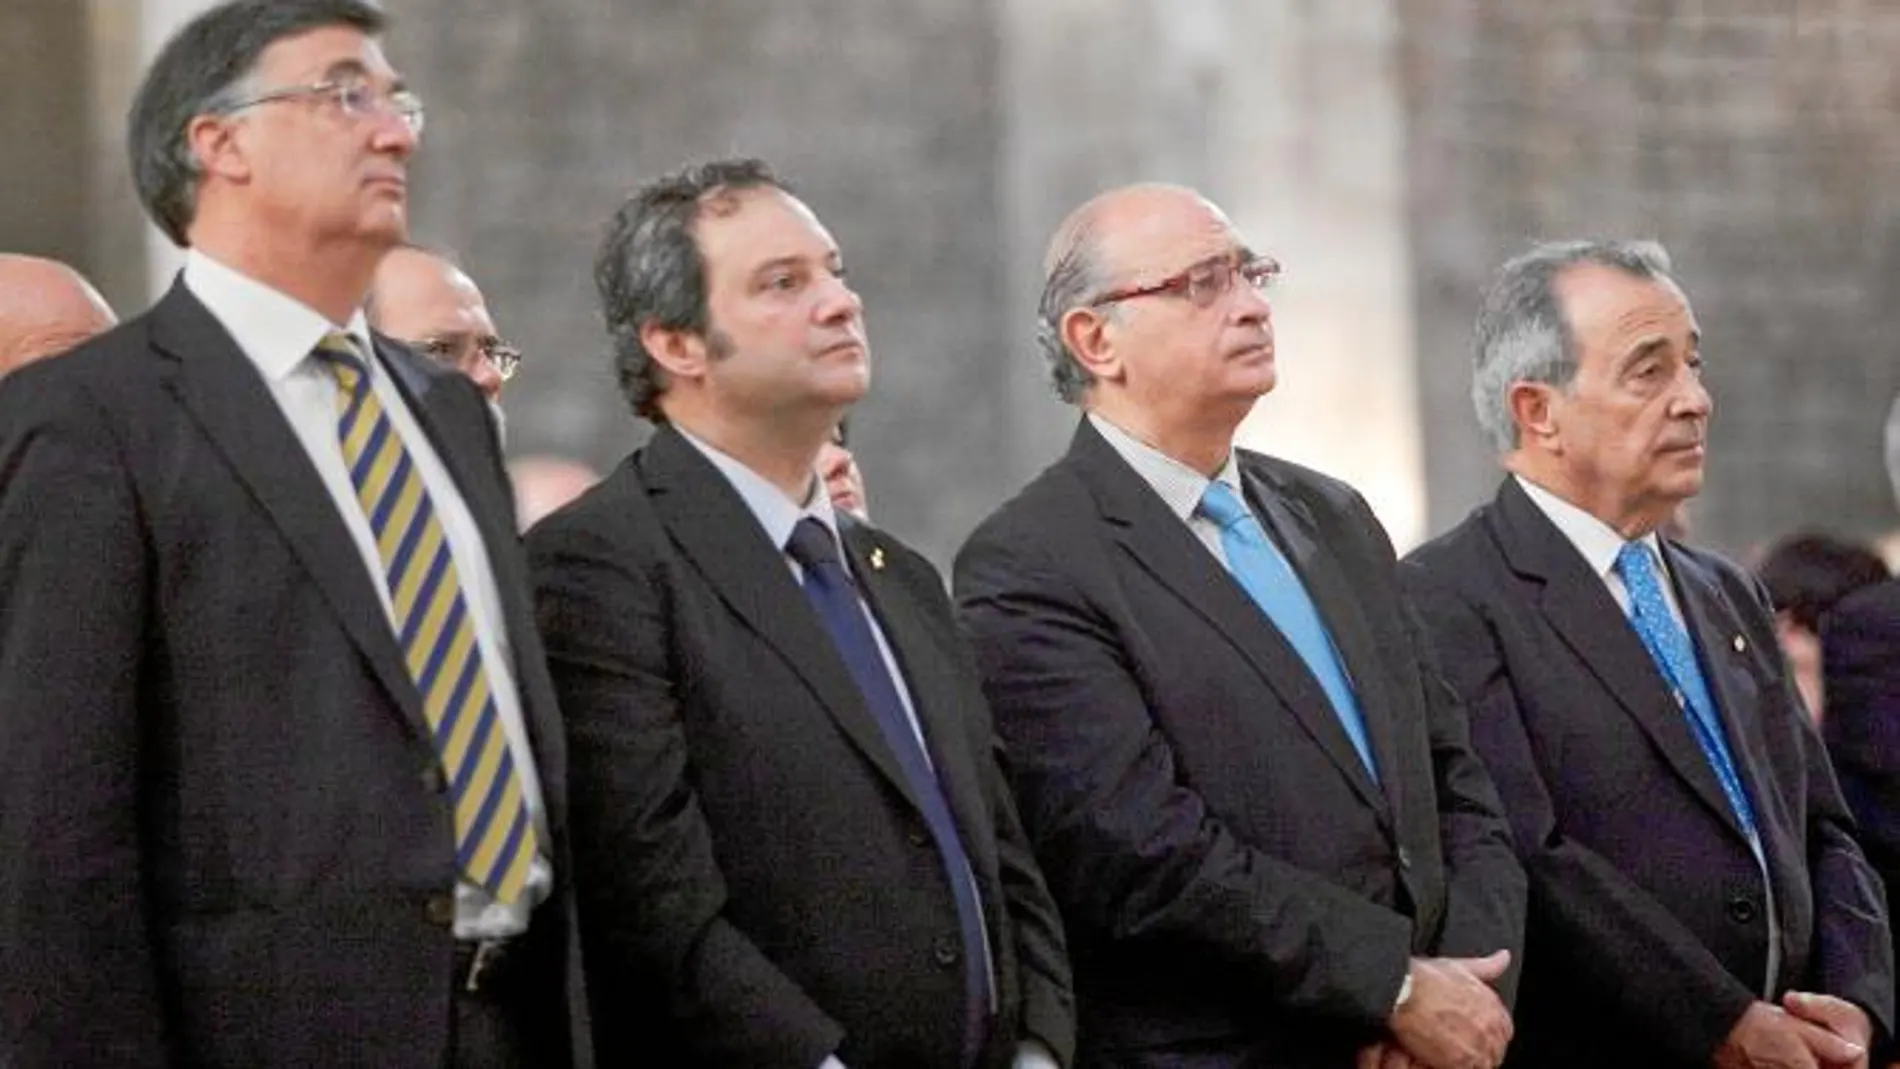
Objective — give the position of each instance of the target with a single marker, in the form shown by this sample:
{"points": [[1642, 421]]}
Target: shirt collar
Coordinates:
{"points": [[1181, 487], [777, 513], [1597, 541], [275, 330]]}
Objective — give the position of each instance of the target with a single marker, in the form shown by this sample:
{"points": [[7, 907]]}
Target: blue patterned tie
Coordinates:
{"points": [[1668, 645], [832, 592], [1273, 585]]}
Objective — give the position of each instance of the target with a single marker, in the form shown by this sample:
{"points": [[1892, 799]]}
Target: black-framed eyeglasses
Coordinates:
{"points": [[356, 98], [503, 357], [1205, 282]]}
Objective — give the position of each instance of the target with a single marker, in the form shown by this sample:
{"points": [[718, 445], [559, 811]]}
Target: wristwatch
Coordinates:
{"points": [[1405, 992]]}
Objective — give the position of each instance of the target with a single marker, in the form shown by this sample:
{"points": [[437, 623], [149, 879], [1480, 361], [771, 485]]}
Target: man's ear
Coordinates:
{"points": [[682, 354], [212, 140], [1533, 408], [1084, 332]]}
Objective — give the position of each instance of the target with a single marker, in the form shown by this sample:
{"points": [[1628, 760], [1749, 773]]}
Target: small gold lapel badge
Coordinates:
{"points": [[877, 561], [1740, 644]]}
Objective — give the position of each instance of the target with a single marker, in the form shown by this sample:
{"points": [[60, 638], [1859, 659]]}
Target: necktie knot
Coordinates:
{"points": [[812, 544], [1637, 570], [338, 352], [1220, 504]]}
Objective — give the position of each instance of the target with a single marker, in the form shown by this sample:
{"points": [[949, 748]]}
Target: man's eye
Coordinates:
{"points": [[357, 98]]}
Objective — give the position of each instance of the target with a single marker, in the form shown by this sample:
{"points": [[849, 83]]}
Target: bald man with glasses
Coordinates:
{"points": [[1249, 791]]}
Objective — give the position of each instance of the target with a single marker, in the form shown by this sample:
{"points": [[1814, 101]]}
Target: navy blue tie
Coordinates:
{"points": [[833, 593]]}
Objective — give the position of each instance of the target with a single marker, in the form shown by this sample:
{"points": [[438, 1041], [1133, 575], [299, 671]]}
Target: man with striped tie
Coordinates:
{"points": [[281, 776], [1697, 897], [794, 848]]}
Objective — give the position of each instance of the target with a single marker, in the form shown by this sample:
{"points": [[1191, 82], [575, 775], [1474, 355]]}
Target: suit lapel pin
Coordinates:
{"points": [[1740, 644], [877, 560]]}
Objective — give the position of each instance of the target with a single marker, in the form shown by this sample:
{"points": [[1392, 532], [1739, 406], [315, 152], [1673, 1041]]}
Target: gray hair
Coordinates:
{"points": [[1522, 334], [1075, 277], [199, 72], [650, 270]]}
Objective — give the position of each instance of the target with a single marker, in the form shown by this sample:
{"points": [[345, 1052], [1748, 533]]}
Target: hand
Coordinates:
{"points": [[1767, 1037], [1453, 1019], [1385, 1055], [1841, 1019]]}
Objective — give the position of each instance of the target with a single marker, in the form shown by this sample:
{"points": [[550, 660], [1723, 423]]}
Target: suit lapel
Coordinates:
{"points": [[929, 676], [1713, 630], [1164, 546], [1298, 535], [1580, 609], [223, 391], [712, 526]]}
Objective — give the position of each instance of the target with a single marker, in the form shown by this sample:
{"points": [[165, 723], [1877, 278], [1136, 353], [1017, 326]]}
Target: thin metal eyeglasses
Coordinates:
{"points": [[356, 98], [504, 358], [1205, 282]]}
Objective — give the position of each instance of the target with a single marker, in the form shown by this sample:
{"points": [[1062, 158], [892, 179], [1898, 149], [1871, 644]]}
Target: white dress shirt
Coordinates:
{"points": [[278, 334], [778, 514], [1181, 487], [1599, 544]]}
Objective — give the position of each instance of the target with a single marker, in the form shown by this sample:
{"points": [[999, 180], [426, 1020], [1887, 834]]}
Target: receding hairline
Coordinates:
{"points": [[1097, 217]]}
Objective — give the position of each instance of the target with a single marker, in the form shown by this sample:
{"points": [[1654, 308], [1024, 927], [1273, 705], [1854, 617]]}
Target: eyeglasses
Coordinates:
{"points": [[1205, 282], [356, 98], [504, 358]]}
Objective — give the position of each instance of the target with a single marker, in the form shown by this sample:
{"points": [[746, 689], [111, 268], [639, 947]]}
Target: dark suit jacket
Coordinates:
{"points": [[1860, 653], [1238, 890], [757, 887], [223, 836], [1648, 927]]}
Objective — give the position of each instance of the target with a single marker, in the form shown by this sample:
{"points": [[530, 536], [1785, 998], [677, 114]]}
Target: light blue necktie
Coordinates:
{"points": [[1273, 585], [1668, 645]]}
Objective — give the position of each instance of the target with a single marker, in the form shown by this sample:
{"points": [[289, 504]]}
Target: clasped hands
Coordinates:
{"points": [[1451, 1020], [1807, 1031]]}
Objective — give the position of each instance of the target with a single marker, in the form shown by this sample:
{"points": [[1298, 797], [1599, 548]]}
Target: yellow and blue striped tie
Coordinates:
{"points": [[495, 840]]}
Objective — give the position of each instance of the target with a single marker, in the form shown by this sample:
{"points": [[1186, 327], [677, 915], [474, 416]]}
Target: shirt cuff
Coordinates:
{"points": [[1031, 1054]]}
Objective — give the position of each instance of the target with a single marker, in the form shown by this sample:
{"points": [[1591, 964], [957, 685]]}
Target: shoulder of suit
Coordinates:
{"points": [[1877, 602], [617, 502], [1467, 537], [1308, 482]]}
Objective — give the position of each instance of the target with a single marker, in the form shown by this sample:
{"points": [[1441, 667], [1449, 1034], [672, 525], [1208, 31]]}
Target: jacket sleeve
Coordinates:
{"points": [[80, 983]]}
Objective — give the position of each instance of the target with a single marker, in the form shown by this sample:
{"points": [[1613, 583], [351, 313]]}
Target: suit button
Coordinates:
{"points": [[1405, 858], [917, 836], [440, 909], [432, 779], [1741, 910], [945, 951]]}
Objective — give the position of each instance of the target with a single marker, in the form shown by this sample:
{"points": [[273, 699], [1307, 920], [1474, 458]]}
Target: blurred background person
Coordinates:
{"points": [[421, 298], [1806, 574], [544, 482], [844, 483], [1860, 652], [46, 307]]}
